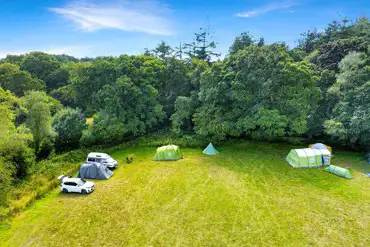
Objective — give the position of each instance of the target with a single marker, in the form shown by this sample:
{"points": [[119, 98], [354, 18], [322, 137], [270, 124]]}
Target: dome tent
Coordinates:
{"points": [[307, 157], [210, 149], [94, 171], [320, 146], [169, 152]]}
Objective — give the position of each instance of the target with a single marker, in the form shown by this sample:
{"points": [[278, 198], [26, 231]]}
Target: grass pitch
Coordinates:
{"points": [[245, 196]]}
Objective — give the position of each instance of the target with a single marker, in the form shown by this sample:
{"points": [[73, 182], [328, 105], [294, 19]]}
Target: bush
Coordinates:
{"points": [[165, 138], [6, 179], [69, 125], [103, 131], [46, 149]]}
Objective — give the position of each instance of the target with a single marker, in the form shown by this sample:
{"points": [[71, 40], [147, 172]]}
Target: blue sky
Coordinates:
{"points": [[113, 27]]}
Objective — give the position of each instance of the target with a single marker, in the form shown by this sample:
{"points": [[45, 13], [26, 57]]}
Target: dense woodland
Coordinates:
{"points": [[319, 89]]}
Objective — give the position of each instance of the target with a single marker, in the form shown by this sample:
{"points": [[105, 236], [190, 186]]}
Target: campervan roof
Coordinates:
{"points": [[98, 155]]}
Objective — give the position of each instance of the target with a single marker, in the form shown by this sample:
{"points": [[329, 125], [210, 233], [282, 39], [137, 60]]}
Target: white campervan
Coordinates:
{"points": [[102, 158]]}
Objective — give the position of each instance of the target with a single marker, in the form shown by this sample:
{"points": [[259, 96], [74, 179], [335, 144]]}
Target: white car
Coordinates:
{"points": [[77, 185], [102, 158]]}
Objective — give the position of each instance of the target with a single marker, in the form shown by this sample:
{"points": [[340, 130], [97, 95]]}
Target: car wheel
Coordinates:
{"points": [[83, 192], [65, 190]]}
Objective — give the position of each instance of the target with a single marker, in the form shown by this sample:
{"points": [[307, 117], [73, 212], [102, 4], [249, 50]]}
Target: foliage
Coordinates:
{"points": [[13, 59], [176, 83], [15, 154], [41, 65], [330, 54], [201, 48], [242, 42], [58, 78], [6, 179], [259, 91], [87, 79], [66, 95], [163, 50], [105, 130], [351, 114], [183, 111], [309, 41], [39, 109], [17, 81], [126, 108], [68, 124]]}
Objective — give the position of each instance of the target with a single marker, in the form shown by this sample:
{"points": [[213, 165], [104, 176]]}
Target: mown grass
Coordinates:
{"points": [[245, 196]]}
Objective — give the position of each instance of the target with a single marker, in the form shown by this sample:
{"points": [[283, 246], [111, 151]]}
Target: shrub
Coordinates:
{"points": [[69, 125]]}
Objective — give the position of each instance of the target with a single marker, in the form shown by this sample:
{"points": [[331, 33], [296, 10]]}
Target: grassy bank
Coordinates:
{"points": [[247, 195]]}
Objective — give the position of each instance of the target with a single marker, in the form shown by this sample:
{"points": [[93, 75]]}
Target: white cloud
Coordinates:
{"points": [[76, 51], [138, 16], [266, 8]]}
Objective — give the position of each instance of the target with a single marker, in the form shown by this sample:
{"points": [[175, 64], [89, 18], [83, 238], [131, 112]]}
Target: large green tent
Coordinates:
{"points": [[342, 172], [307, 157], [210, 150], [170, 152]]}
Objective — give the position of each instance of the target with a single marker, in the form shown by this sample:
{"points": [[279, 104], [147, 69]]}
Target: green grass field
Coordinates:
{"points": [[245, 196]]}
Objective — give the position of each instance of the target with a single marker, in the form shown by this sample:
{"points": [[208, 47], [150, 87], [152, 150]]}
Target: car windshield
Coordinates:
{"points": [[81, 182]]}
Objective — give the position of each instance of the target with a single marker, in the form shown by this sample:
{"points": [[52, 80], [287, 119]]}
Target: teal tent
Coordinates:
{"points": [[342, 172], [210, 150]]}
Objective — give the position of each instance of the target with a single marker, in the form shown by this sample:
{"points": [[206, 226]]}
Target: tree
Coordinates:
{"points": [[13, 59], [58, 78], [260, 92], [163, 50], [176, 83], [183, 115], [331, 53], [126, 108], [65, 58], [309, 41], [133, 104], [202, 48], [68, 124], [66, 95], [17, 81], [6, 181], [41, 65], [88, 78], [326, 78], [179, 51], [261, 42], [185, 106], [351, 114], [16, 156], [39, 109], [243, 41]]}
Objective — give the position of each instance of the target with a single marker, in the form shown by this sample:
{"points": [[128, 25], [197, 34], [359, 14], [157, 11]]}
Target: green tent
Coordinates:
{"points": [[342, 172], [170, 152], [307, 157], [210, 149]]}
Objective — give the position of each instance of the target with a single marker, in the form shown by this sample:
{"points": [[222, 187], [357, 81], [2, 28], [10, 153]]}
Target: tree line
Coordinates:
{"points": [[321, 88]]}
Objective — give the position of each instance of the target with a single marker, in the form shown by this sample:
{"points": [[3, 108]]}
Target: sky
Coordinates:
{"points": [[112, 27]]}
